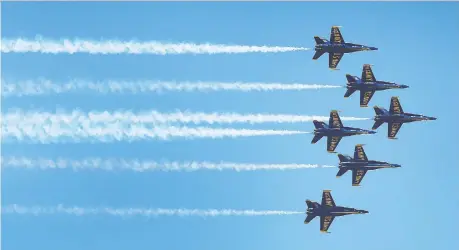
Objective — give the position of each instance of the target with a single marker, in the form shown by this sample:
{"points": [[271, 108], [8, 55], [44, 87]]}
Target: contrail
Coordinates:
{"points": [[143, 165], [61, 133], [67, 46], [131, 212], [155, 117], [47, 87]]}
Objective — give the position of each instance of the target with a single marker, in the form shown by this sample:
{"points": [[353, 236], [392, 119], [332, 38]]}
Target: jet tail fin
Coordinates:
{"points": [[351, 79], [320, 40], [343, 158], [379, 110], [318, 124], [312, 204]]}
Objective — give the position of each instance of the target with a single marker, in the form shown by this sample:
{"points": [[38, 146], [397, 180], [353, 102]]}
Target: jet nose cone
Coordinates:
{"points": [[396, 166], [372, 48], [404, 86], [363, 212], [432, 118], [371, 132]]}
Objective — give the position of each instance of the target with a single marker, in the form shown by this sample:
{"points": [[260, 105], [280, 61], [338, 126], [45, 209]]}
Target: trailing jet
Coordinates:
{"points": [[327, 211], [335, 131], [336, 47], [360, 165], [395, 117], [368, 85]]}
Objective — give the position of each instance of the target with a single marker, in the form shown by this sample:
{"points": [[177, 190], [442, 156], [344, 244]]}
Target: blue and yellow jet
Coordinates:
{"points": [[335, 131], [327, 211], [368, 85], [336, 47], [395, 117], [360, 165]]}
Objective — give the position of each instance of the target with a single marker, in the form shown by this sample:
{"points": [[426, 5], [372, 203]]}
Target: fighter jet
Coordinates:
{"points": [[360, 165], [368, 85], [336, 47], [327, 211], [335, 131], [395, 117]]}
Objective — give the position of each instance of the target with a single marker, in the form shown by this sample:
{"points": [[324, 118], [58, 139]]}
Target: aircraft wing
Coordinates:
{"points": [[393, 128], [332, 142], [395, 106], [327, 199], [325, 223], [335, 35], [359, 153], [357, 176], [365, 97], [334, 121], [334, 59], [367, 74]]}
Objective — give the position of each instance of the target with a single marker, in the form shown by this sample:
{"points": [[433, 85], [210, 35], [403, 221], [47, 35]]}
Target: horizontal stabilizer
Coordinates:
{"points": [[349, 92], [317, 55], [316, 138], [377, 125]]}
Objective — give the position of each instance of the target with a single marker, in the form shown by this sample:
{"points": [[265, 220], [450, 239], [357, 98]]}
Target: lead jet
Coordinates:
{"points": [[327, 211], [360, 165], [335, 131], [368, 85], [395, 117], [336, 47]]}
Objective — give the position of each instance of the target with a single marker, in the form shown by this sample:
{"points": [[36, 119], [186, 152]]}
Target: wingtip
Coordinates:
{"points": [[360, 145], [356, 185], [364, 106], [327, 190]]}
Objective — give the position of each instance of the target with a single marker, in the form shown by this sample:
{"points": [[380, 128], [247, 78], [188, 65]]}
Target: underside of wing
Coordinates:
{"points": [[334, 59], [359, 153], [335, 35], [332, 143], [327, 199], [357, 176], [367, 74], [393, 128], [365, 97], [325, 223], [334, 121], [395, 106]]}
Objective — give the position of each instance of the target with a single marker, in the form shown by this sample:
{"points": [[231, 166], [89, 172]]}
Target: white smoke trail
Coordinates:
{"points": [[49, 46], [130, 212], [47, 87], [59, 133], [143, 166], [155, 117]]}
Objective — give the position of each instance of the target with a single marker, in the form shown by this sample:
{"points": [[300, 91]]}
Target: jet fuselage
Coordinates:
{"points": [[377, 85], [403, 118], [369, 165], [344, 131], [342, 47], [334, 211]]}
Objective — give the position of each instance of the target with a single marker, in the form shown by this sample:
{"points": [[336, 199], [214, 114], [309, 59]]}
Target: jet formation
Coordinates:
{"points": [[359, 165]]}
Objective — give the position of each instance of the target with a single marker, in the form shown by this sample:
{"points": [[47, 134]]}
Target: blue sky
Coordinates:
{"points": [[413, 207]]}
